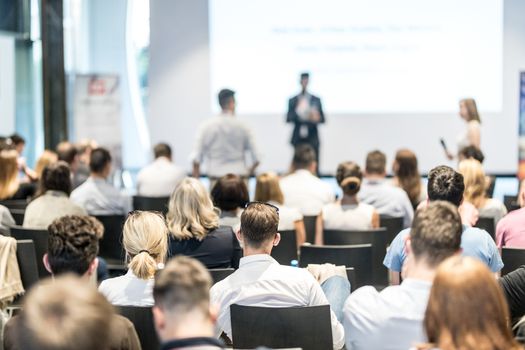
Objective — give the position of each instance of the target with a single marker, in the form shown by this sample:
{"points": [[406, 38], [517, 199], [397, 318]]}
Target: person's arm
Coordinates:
{"points": [[321, 113], [494, 258], [291, 116], [375, 219], [394, 257], [196, 170], [300, 232], [513, 285], [319, 230]]}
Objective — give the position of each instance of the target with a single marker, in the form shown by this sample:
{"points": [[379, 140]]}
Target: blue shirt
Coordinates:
{"points": [[475, 243], [98, 197]]}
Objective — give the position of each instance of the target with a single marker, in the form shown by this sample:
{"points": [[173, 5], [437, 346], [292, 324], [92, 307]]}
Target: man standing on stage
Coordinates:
{"points": [[305, 111]]}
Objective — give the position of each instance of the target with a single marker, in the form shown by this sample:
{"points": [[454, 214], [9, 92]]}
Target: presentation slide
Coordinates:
{"points": [[364, 56]]}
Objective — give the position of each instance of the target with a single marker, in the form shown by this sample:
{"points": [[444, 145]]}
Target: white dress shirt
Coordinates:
{"points": [[99, 197], [128, 290], [261, 281], [159, 178], [387, 320], [222, 142], [306, 192], [41, 212]]}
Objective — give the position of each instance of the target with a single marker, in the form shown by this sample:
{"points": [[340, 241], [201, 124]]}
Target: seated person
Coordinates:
{"points": [[230, 195], [53, 202], [261, 281], [159, 178], [194, 228], [510, 231], [145, 240], [407, 177], [11, 187], [393, 318], [182, 313], [6, 221], [446, 184], [377, 191], [46, 158], [68, 152], [97, 196], [473, 152], [347, 213]]}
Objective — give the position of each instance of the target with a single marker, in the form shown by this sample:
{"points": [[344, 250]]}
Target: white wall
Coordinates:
{"points": [[7, 85], [179, 90]]}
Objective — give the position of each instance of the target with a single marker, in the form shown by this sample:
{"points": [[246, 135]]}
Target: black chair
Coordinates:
{"points": [[14, 203], [142, 319], [511, 203], [512, 259], [110, 246], [218, 275], [309, 227], [159, 204], [39, 238], [287, 327], [379, 243], [18, 215], [487, 224], [286, 250], [393, 226], [350, 274], [26, 257], [357, 256]]}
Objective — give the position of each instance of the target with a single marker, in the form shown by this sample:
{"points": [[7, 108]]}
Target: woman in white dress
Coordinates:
{"points": [[468, 111]]}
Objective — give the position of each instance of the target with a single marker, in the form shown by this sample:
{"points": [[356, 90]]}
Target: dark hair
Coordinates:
{"points": [[349, 177], [162, 150], [305, 75], [472, 152], [259, 223], [225, 95], [408, 175], [444, 183], [229, 193], [67, 152], [16, 139], [56, 177], [73, 243], [375, 162], [304, 156], [100, 157], [436, 232]]}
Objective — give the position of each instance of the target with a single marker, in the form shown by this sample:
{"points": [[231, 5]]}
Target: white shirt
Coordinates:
{"points": [[306, 192], [222, 142], [6, 220], [493, 208], [159, 178], [231, 219], [41, 212], [348, 217], [387, 320], [287, 216], [463, 138], [99, 197], [128, 290], [261, 281]]}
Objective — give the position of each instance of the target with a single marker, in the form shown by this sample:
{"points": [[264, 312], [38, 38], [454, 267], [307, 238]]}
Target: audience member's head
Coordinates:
{"points": [[304, 79], [468, 110], [145, 239], [182, 300], [68, 153], [375, 163], [100, 162], [227, 100], [267, 189], [5, 143], [73, 245], [85, 147], [475, 181], [259, 227], [56, 177], [63, 314], [466, 308], [48, 157], [230, 193], [9, 183], [349, 177], [407, 174], [18, 142], [469, 152], [304, 158], [162, 150], [191, 212], [444, 183]]}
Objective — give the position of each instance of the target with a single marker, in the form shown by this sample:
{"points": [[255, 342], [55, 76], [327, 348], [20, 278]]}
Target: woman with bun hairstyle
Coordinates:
{"points": [[145, 239], [347, 213]]}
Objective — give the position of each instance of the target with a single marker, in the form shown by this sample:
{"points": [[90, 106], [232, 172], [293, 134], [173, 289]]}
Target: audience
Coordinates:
{"points": [[53, 201], [261, 281], [377, 191], [84, 148], [97, 195], [6, 221], [18, 143], [267, 190], [183, 315], [302, 189], [194, 226], [145, 239], [393, 318], [407, 177], [446, 184], [347, 213], [46, 158], [510, 231], [159, 178], [473, 152], [11, 187], [68, 153], [466, 309], [230, 195], [513, 286]]}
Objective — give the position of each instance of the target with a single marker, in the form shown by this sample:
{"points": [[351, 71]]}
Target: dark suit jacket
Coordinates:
{"points": [[292, 117]]}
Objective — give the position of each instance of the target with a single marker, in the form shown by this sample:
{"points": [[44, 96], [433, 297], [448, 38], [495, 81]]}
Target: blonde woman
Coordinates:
{"points": [[468, 111], [194, 226], [268, 190], [47, 158], [475, 193], [10, 185], [145, 239]]}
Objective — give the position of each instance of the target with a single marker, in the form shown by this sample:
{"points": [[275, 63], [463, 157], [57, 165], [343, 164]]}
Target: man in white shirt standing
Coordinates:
{"points": [[223, 141], [159, 178], [393, 318], [262, 281], [302, 189]]}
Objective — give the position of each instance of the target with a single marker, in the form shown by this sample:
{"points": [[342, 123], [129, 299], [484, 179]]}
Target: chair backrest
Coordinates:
{"points": [[511, 202], [26, 257], [18, 215], [309, 227], [308, 327], [357, 256], [111, 244], [393, 226], [286, 250], [350, 274], [151, 203], [142, 319], [379, 243], [39, 238], [220, 274], [512, 259], [487, 224], [15, 203]]}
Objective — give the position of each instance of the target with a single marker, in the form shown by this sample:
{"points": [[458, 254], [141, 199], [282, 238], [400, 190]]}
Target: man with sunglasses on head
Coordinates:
{"points": [[262, 281]]}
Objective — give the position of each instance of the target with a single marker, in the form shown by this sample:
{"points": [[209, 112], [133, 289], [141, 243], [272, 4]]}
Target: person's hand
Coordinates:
{"points": [[469, 214], [449, 155], [315, 116]]}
